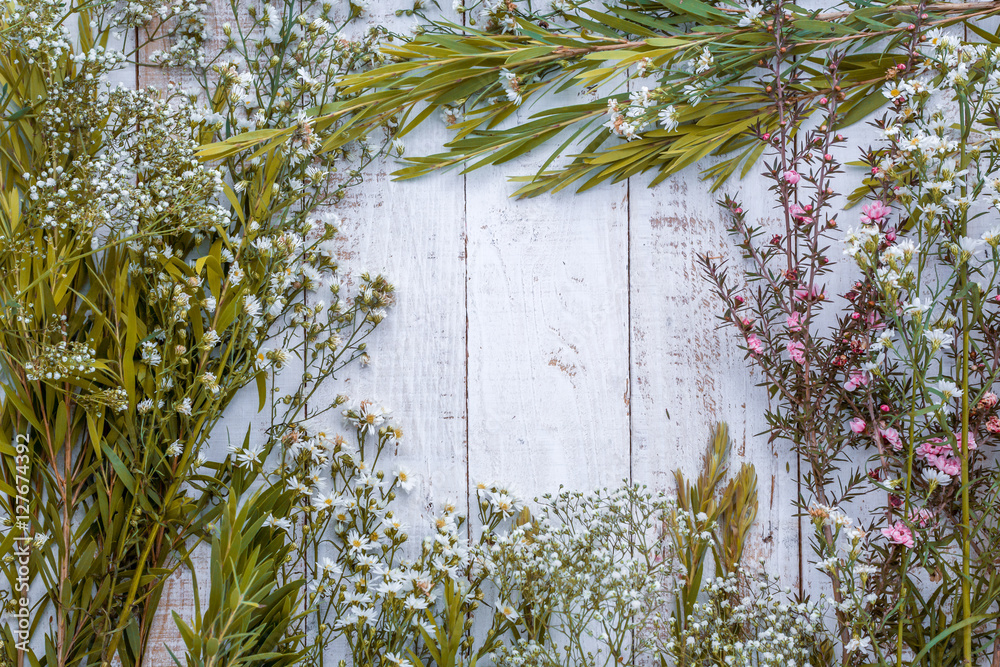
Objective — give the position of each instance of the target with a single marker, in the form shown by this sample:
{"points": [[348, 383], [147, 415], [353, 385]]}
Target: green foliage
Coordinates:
{"points": [[111, 512], [727, 508], [249, 612], [448, 635], [491, 71], [134, 307]]}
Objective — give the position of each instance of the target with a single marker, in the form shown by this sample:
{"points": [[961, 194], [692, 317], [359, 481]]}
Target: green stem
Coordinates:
{"points": [[966, 594], [963, 284], [906, 513]]}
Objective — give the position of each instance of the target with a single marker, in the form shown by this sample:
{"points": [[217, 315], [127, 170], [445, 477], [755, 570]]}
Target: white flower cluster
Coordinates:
{"points": [[145, 181], [115, 398], [187, 35], [748, 621], [499, 16], [37, 27], [862, 243], [362, 586], [512, 86], [61, 361], [282, 61], [184, 280], [939, 179], [591, 564], [627, 119], [752, 14]]}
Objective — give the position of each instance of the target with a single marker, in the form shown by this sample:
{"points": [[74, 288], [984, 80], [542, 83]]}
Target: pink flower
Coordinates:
{"points": [[792, 176], [804, 294], [922, 517], [899, 533], [891, 436], [874, 212], [930, 448], [946, 464], [797, 351], [858, 425], [856, 379], [800, 214], [754, 344], [993, 424], [793, 322], [988, 401], [949, 465]]}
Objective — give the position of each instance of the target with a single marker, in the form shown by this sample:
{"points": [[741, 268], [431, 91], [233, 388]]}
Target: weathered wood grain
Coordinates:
{"points": [[687, 374], [548, 335], [414, 233]]}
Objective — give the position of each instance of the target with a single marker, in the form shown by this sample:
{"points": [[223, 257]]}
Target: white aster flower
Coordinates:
{"points": [[280, 523], [751, 15], [405, 479], [705, 61], [948, 390], [917, 307], [508, 612], [937, 338], [935, 477], [251, 305], [326, 501], [858, 644], [511, 85], [966, 248], [668, 118]]}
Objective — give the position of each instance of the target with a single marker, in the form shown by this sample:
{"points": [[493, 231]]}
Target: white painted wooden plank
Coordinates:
{"points": [[414, 232], [683, 365], [553, 299], [548, 338]]}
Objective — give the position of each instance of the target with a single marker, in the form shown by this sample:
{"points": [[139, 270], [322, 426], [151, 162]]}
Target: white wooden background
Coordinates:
{"points": [[565, 340]]}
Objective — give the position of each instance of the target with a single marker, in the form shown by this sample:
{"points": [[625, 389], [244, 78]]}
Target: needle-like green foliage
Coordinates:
{"points": [[679, 80]]}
